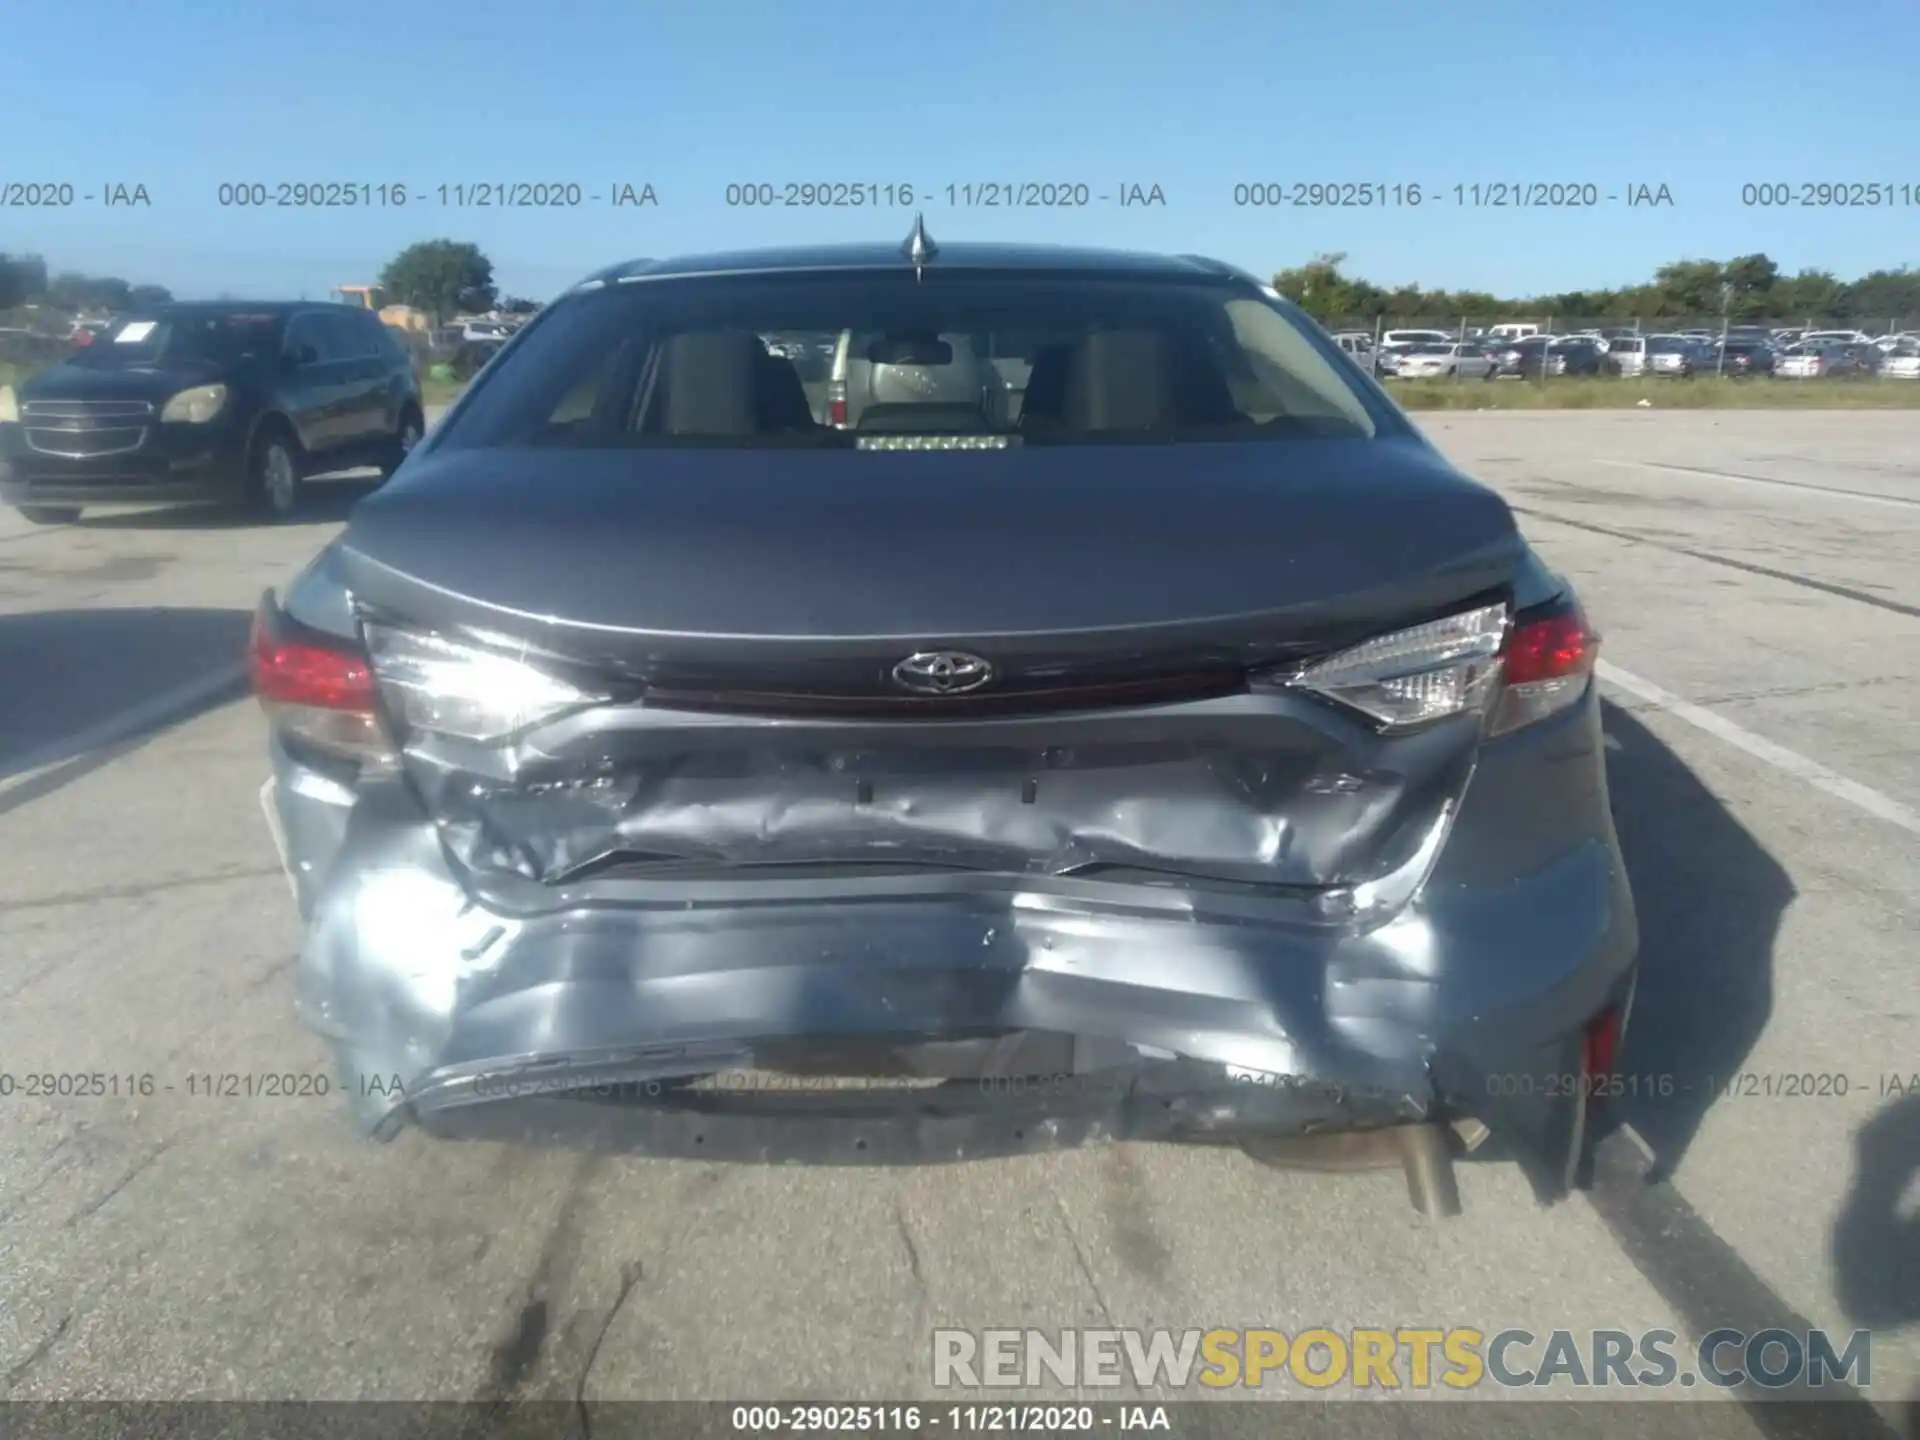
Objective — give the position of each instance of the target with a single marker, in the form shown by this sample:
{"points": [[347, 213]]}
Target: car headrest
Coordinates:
{"points": [[780, 398], [1121, 380], [711, 380], [1045, 401]]}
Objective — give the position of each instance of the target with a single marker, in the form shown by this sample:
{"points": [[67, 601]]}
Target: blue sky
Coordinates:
{"points": [[1195, 97]]}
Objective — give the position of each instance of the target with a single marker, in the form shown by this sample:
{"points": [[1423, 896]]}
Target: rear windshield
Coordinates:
{"points": [[182, 337], [880, 360]]}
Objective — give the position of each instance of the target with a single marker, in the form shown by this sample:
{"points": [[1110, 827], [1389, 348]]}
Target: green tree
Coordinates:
{"points": [[1317, 287], [1690, 287], [70, 290], [22, 278], [1885, 294], [442, 277]]}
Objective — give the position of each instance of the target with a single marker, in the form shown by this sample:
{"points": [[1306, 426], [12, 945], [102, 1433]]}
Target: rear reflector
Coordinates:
{"points": [[1548, 663], [1599, 1045], [313, 691]]}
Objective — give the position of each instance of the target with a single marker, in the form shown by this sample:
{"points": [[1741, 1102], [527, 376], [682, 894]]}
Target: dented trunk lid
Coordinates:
{"points": [[744, 611]]}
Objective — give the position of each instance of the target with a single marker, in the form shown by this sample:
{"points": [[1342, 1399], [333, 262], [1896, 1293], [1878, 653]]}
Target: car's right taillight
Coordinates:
{"points": [[837, 404], [316, 690], [1546, 665]]}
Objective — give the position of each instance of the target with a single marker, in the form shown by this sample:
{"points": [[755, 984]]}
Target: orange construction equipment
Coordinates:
{"points": [[400, 317]]}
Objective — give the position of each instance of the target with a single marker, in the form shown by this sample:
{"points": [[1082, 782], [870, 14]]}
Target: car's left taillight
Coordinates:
{"points": [[316, 690]]}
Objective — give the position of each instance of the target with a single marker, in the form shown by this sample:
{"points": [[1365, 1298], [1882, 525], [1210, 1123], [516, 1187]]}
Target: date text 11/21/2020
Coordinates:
{"points": [[1488, 195], [971, 195]]}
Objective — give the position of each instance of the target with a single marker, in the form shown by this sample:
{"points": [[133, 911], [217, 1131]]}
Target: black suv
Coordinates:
{"points": [[209, 402]]}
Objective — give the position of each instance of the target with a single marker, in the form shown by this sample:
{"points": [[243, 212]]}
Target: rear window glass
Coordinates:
{"points": [[883, 361], [183, 337]]}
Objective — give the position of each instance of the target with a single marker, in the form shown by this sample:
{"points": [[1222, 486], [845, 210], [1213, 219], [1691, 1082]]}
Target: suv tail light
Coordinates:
{"points": [[314, 688], [1547, 664], [837, 403]]}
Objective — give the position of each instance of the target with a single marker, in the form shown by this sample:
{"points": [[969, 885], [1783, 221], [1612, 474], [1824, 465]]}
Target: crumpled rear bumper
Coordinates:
{"points": [[1185, 1013]]}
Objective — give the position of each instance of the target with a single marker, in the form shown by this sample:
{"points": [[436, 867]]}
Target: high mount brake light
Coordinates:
{"points": [[315, 690]]}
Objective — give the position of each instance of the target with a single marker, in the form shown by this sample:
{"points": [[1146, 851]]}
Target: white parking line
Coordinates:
{"points": [[1881, 807], [1899, 502], [153, 711]]}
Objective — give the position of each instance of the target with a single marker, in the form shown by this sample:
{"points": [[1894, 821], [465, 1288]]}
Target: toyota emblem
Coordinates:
{"points": [[942, 672]]}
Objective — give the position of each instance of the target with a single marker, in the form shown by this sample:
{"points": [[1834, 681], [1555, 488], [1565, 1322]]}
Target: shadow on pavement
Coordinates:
{"points": [[1710, 899], [81, 680], [1876, 1237], [327, 500]]}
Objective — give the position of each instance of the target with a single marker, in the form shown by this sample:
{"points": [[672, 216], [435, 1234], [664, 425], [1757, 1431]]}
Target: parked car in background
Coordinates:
{"points": [[209, 402], [866, 753], [1427, 362], [1836, 337], [1522, 359], [1743, 357], [1359, 345], [1902, 362], [1673, 356], [1627, 355], [1864, 359], [1511, 331], [1576, 355], [933, 373], [1813, 361], [1394, 345]]}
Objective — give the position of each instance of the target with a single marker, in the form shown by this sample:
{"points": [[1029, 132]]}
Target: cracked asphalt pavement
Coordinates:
{"points": [[1757, 580]]}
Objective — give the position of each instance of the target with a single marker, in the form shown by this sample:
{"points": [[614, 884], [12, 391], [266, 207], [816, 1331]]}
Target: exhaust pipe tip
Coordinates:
{"points": [[1428, 1162], [1423, 1152]]}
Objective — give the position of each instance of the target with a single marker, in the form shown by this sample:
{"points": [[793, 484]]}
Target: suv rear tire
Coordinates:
{"points": [[412, 428], [50, 514]]}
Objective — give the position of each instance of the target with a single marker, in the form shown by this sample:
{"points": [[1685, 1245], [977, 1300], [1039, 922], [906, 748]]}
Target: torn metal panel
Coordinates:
{"points": [[1260, 789]]}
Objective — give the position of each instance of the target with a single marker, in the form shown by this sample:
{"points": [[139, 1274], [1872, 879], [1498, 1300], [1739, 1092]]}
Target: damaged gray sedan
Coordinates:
{"points": [[1116, 721]]}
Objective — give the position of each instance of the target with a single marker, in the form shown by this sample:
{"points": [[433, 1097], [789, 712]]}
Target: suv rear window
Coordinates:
{"points": [[685, 362]]}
